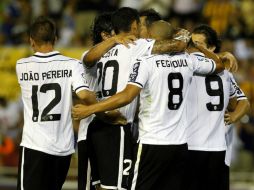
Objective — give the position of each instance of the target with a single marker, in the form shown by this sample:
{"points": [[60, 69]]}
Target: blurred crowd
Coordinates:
{"points": [[232, 19]]}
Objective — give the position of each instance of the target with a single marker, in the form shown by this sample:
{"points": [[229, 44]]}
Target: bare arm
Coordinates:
{"points": [[229, 61], [167, 46], [97, 51], [232, 104], [240, 110], [118, 100], [219, 64], [87, 97]]}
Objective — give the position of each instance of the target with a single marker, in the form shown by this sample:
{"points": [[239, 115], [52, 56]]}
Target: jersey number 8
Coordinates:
{"points": [[175, 91]]}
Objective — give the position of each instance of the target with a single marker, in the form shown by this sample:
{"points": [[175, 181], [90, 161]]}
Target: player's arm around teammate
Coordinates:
{"points": [[160, 46], [97, 51], [131, 91]]}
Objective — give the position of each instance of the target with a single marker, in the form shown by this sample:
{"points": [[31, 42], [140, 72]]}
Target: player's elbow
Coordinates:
{"points": [[88, 97], [181, 46], [246, 105], [89, 60], [219, 67]]}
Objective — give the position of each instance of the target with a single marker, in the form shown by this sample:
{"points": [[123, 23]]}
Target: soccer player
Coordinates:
{"points": [[162, 82], [47, 79], [102, 31], [207, 102], [147, 18]]}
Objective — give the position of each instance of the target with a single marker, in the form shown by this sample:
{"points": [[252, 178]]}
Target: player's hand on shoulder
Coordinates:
{"points": [[183, 35], [124, 39], [80, 111], [230, 61]]}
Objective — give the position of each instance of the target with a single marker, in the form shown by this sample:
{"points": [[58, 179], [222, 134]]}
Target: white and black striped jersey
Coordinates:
{"points": [[91, 77], [114, 69], [165, 81], [207, 102], [47, 81]]}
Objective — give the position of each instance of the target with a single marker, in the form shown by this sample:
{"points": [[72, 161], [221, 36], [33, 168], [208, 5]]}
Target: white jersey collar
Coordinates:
{"points": [[44, 55]]}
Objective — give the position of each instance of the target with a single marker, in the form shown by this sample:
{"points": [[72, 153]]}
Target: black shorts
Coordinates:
{"points": [[206, 170], [41, 171], [84, 173], [110, 149], [159, 167]]}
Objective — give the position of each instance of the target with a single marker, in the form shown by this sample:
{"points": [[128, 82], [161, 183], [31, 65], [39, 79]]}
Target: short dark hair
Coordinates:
{"points": [[212, 38], [43, 30], [151, 16], [102, 23], [123, 18]]}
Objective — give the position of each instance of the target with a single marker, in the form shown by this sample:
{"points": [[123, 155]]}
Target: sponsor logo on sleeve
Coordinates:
{"points": [[134, 74]]}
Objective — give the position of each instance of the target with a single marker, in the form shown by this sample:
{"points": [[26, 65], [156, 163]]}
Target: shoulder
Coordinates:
{"points": [[142, 41], [63, 57], [68, 59], [25, 60]]}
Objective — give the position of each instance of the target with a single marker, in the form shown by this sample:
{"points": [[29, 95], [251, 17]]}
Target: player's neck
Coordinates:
{"points": [[45, 48]]}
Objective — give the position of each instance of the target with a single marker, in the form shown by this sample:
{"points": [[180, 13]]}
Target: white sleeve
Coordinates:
{"points": [[79, 81], [143, 47], [202, 65], [235, 90], [139, 73]]}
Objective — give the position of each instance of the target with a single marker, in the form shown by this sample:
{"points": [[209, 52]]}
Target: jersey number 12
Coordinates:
{"points": [[45, 116]]}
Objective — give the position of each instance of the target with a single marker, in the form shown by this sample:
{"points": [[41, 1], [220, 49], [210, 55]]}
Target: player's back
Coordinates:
{"points": [[114, 68], [162, 116], [207, 101], [46, 82]]}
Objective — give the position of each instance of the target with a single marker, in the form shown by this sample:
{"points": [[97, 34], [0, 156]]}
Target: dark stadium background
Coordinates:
{"points": [[232, 19]]}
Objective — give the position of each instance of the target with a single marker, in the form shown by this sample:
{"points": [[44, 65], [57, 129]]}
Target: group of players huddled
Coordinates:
{"points": [[156, 105]]}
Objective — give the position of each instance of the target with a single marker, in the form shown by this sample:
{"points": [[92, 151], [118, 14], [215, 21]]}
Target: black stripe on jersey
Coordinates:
{"points": [[233, 93], [136, 83], [241, 97], [45, 61], [46, 56], [198, 55], [80, 87], [148, 57]]}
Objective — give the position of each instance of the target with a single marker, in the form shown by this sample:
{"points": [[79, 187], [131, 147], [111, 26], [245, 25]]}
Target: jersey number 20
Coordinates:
{"points": [[45, 116], [102, 75]]}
